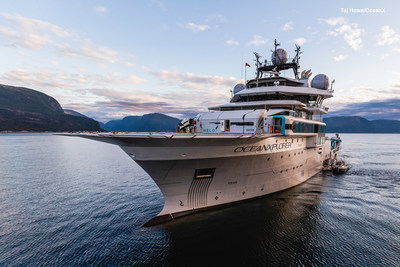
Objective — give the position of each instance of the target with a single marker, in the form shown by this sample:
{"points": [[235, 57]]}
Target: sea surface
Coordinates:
{"points": [[67, 201]]}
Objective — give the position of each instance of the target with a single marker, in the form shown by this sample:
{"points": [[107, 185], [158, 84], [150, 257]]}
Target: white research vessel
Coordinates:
{"points": [[268, 138]]}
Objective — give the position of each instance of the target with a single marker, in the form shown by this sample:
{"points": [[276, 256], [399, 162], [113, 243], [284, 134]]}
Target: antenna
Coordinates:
{"points": [[276, 56], [296, 61], [257, 60], [258, 64], [298, 52], [276, 45]]}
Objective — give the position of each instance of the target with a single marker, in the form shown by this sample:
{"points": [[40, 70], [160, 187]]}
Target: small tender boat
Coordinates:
{"points": [[340, 167]]}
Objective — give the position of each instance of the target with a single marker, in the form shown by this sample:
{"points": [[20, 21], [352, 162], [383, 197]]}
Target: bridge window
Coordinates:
{"points": [[302, 127]]}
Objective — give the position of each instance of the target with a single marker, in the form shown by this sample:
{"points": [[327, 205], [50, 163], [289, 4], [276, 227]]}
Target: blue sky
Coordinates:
{"points": [[109, 59]]}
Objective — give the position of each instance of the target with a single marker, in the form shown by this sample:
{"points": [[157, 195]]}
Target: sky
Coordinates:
{"points": [[110, 59]]}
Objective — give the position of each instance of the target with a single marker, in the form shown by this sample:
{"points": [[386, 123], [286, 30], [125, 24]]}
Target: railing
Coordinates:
{"points": [[320, 119], [318, 106]]}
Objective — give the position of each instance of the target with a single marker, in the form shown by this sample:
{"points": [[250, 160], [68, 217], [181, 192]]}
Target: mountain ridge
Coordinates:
{"points": [[25, 109], [357, 124], [153, 122]]}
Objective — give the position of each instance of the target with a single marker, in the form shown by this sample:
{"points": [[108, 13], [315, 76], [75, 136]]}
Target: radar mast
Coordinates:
{"points": [[278, 62]]}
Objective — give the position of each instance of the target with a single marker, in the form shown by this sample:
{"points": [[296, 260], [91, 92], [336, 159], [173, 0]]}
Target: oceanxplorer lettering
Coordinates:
{"points": [[263, 147]]}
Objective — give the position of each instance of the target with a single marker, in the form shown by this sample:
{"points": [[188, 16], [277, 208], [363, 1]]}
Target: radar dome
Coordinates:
{"points": [[320, 81], [238, 87], [281, 57]]}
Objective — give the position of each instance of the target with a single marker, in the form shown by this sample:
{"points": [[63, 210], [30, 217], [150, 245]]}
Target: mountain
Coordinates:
{"points": [[24, 109], [74, 113], [154, 122], [355, 124]]}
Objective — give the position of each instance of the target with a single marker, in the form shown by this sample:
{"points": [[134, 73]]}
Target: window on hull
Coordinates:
{"points": [[204, 173]]}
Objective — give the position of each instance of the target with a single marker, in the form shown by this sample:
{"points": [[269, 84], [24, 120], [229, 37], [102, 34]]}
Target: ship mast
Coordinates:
{"points": [[258, 64], [296, 61], [276, 64]]}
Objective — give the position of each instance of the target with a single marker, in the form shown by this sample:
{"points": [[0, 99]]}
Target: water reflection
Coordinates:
{"points": [[274, 230]]}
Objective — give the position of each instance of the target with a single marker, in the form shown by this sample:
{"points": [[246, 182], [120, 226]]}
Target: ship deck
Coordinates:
{"points": [[175, 135], [168, 135]]}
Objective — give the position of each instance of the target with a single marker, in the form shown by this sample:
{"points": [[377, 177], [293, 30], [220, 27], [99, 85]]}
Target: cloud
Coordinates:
{"points": [[388, 36], [257, 41], [395, 85], [194, 91], [196, 27], [232, 42], [350, 32], [335, 21], [193, 81], [50, 81], [30, 41], [88, 50], [30, 33], [376, 109], [43, 80], [339, 58], [35, 34], [100, 9], [287, 26], [115, 104], [300, 41], [27, 25]]}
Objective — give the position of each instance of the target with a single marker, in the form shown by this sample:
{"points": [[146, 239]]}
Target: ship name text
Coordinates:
{"points": [[263, 147]]}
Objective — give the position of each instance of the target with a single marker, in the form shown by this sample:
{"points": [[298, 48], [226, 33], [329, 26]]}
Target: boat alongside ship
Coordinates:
{"points": [[268, 138]]}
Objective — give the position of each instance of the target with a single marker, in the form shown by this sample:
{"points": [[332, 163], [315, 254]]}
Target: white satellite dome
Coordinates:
{"points": [[238, 87], [280, 58], [320, 81]]}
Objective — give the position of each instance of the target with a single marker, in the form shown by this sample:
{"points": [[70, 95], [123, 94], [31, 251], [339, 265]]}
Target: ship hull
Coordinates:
{"points": [[196, 172], [245, 169]]}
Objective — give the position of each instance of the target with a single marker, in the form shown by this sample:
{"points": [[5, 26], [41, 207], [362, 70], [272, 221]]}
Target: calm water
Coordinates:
{"points": [[68, 201]]}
